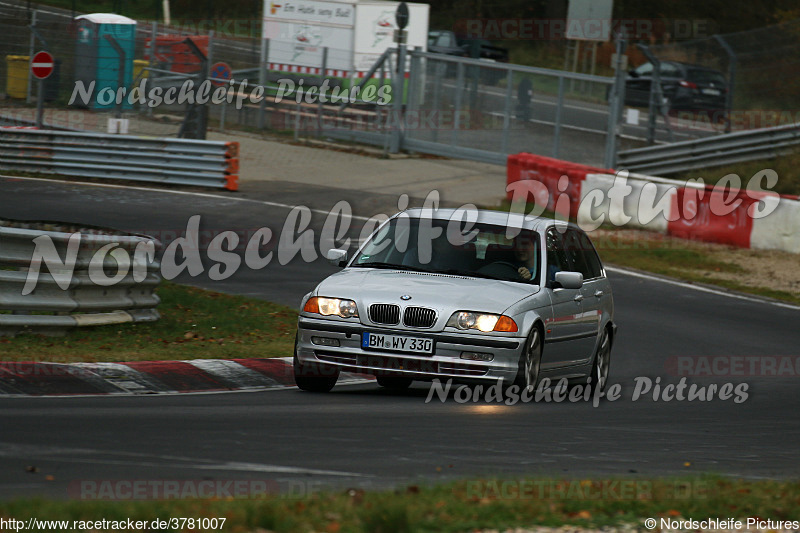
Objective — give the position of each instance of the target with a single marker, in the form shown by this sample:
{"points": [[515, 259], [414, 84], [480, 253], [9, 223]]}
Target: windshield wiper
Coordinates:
{"points": [[379, 264], [469, 273]]}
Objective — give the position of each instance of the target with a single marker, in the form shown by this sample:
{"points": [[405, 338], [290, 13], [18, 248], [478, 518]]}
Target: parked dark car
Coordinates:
{"points": [[483, 49], [684, 86], [444, 42]]}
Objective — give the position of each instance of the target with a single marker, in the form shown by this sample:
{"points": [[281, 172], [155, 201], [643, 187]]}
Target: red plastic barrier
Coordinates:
{"points": [[549, 172], [708, 215]]}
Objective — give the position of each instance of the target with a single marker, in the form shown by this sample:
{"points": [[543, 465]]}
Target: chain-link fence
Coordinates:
{"points": [[468, 105], [761, 71]]}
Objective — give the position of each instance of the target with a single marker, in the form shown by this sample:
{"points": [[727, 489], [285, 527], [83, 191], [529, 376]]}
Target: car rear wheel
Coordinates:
{"points": [[530, 362], [602, 362], [313, 377], [394, 382]]}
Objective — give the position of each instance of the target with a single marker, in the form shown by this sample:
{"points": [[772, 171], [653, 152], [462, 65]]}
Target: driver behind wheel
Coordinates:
{"points": [[525, 255]]}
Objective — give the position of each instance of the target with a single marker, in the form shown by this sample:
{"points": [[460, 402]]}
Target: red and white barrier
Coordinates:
{"points": [[690, 210]]}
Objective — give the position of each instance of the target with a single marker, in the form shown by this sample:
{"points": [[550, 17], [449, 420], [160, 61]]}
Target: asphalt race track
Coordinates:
{"points": [[363, 436]]}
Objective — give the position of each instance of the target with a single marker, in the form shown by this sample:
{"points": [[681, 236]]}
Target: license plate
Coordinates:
{"points": [[396, 343], [711, 92]]}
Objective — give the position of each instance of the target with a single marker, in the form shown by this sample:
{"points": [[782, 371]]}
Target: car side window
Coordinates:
{"points": [[586, 260], [581, 254], [556, 255]]}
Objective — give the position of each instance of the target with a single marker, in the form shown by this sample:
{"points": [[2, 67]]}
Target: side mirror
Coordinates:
{"points": [[570, 280], [337, 257], [633, 74]]}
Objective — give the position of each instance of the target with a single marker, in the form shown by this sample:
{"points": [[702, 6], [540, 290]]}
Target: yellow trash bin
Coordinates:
{"points": [[138, 65], [17, 76]]}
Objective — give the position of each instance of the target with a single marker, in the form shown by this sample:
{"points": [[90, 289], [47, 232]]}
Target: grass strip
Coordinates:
{"points": [[466, 505]]}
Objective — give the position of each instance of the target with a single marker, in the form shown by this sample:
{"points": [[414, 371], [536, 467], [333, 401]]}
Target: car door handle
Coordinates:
{"points": [[578, 297], [598, 294]]}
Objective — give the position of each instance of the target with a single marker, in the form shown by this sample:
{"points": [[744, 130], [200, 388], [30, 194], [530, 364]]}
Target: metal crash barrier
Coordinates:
{"points": [[52, 281], [123, 157]]}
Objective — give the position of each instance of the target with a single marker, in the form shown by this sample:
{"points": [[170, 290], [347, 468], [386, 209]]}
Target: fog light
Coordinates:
{"points": [[324, 341], [477, 356]]}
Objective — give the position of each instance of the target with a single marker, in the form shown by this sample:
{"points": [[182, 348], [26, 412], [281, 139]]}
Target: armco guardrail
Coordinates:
{"points": [[711, 151], [63, 297], [124, 157]]}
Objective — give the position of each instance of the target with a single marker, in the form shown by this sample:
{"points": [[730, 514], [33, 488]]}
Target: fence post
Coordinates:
{"points": [[120, 69], [319, 93], [262, 80], [440, 69], [617, 103], [507, 110], [397, 96], [31, 51], [151, 53], [457, 108], [731, 80], [559, 107], [414, 81]]}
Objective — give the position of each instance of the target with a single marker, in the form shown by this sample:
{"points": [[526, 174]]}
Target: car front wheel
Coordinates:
{"points": [[313, 377], [530, 362]]}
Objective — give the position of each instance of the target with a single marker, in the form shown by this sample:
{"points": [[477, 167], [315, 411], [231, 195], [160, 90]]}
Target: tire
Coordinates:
{"points": [[530, 360], [394, 382], [313, 378], [601, 363]]}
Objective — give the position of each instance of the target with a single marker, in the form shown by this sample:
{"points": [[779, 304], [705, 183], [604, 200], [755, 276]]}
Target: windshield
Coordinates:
{"points": [[436, 246]]}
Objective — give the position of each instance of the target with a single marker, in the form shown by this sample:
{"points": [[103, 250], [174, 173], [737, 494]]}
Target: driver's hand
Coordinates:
{"points": [[524, 273]]}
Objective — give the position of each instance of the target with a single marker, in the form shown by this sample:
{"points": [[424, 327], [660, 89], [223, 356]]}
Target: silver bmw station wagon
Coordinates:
{"points": [[472, 296]]}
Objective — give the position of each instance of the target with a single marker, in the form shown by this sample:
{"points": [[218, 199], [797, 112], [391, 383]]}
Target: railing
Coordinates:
{"points": [[712, 151], [32, 300], [123, 157]]}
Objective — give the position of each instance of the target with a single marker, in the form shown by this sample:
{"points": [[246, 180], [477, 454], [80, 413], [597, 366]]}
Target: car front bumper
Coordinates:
{"points": [[445, 362]]}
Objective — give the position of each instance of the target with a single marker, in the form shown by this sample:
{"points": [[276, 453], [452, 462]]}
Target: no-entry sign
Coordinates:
{"points": [[42, 65]]}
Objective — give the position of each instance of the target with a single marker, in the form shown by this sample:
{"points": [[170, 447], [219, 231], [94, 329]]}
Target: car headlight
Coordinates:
{"points": [[482, 321], [331, 306]]}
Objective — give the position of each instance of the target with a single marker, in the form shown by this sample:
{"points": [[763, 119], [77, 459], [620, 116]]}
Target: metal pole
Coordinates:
{"points": [[656, 97], [575, 65], [414, 88], [731, 80], [151, 53], [28, 97], [397, 94], [457, 109], [262, 80], [297, 122], [40, 104], [319, 96], [507, 111], [120, 71], [440, 69], [617, 99], [559, 107]]}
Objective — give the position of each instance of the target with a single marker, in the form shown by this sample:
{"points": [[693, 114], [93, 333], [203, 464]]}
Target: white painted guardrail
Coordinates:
{"points": [[51, 281], [124, 157]]}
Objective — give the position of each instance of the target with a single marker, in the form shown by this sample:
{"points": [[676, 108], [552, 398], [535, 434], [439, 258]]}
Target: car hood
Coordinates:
{"points": [[443, 292]]}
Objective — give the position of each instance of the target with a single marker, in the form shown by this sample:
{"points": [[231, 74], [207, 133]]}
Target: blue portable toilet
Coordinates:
{"points": [[96, 59]]}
